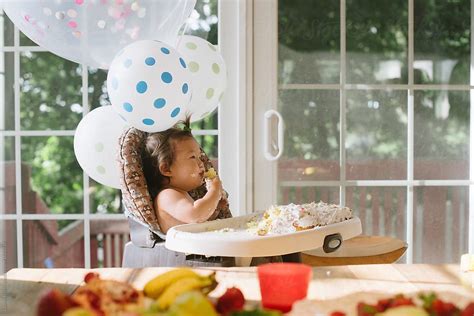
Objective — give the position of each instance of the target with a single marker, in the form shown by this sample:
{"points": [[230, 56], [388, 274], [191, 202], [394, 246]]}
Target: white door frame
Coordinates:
{"points": [[265, 97], [235, 111]]}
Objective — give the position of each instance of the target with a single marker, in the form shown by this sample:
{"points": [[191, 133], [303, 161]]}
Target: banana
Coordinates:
{"points": [[156, 286], [204, 284]]}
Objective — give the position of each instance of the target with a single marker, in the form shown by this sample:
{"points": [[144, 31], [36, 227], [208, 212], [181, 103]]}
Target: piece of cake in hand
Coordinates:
{"points": [[210, 174]]}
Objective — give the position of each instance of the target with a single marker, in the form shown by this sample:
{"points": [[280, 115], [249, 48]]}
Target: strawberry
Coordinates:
{"points": [[90, 276], [468, 310], [337, 313], [383, 304], [401, 301], [53, 302], [437, 306], [364, 309], [231, 300]]}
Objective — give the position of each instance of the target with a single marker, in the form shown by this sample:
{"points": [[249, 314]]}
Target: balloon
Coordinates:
{"points": [[209, 74], [93, 31], [149, 85], [96, 144]]}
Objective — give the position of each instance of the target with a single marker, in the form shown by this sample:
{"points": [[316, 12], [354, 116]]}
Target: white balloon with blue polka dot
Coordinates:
{"points": [[149, 85]]}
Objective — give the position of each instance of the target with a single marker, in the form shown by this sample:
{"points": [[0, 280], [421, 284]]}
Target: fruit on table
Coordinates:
{"points": [[191, 304], [156, 286], [53, 303], [428, 304], [404, 311], [468, 310], [231, 300], [204, 284], [107, 297], [257, 312]]}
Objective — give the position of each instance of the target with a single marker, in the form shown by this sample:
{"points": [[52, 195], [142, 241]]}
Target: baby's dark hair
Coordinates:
{"points": [[158, 149]]}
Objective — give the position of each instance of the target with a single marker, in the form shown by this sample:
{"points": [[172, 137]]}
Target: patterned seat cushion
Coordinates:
{"points": [[134, 188]]}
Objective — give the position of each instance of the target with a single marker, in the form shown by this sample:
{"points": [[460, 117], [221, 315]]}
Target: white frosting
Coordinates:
{"points": [[283, 219]]}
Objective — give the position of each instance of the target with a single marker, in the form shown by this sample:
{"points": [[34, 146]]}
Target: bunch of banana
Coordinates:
{"points": [[166, 287]]}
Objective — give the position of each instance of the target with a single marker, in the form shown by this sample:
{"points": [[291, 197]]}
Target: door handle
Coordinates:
{"points": [[266, 135]]}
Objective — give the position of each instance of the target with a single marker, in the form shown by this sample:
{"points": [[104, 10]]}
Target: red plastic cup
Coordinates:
{"points": [[282, 284]]}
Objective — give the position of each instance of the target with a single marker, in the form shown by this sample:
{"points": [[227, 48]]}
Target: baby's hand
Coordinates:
{"points": [[214, 185]]}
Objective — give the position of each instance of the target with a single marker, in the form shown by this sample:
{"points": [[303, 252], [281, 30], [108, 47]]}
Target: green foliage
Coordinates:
{"points": [[55, 174]]}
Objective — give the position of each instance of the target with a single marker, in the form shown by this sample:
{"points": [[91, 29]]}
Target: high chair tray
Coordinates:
{"points": [[213, 238]]}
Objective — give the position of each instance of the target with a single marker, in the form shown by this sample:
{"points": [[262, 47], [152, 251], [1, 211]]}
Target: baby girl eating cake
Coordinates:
{"points": [[284, 219]]}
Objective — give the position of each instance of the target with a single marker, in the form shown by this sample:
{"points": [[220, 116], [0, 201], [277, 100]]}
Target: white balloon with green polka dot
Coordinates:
{"points": [[96, 144], [209, 75]]}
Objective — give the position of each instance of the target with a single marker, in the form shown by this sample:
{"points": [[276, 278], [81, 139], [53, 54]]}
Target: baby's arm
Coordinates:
{"points": [[183, 208]]}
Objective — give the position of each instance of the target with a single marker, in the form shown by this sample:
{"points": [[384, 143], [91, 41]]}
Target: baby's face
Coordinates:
{"points": [[187, 169]]}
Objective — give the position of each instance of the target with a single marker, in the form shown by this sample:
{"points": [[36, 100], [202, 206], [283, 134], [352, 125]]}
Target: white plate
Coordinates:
{"points": [[205, 239]]}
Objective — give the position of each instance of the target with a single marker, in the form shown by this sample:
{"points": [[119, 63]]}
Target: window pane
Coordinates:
{"points": [[108, 239], [209, 122], [8, 246], [7, 175], [8, 28], [53, 244], [7, 119], [97, 88], [377, 41], [442, 41], [25, 40], [382, 210], [51, 95], [376, 140], [54, 181], [309, 41], [209, 144], [203, 21], [440, 224], [442, 134], [307, 194], [104, 199], [311, 134]]}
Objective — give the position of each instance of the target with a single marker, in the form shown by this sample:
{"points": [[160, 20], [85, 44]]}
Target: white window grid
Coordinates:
{"points": [[410, 183], [17, 133]]}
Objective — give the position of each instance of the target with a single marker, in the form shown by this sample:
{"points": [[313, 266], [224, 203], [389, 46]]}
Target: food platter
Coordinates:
{"points": [[231, 237]]}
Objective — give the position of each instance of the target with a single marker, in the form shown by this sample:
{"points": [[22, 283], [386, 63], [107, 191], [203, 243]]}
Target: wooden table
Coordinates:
{"points": [[20, 287]]}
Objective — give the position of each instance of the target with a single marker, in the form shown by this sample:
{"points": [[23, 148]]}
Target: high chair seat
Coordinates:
{"points": [[147, 240]]}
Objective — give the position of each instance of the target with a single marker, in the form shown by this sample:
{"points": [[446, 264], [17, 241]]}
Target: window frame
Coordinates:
{"points": [[17, 133]]}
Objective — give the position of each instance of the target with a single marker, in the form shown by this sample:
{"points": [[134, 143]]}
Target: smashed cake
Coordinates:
{"points": [[284, 219]]}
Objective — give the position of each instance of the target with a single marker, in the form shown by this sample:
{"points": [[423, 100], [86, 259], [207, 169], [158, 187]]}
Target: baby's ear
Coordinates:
{"points": [[165, 169]]}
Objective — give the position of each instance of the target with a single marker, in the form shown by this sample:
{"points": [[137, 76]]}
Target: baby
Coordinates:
{"points": [[173, 167]]}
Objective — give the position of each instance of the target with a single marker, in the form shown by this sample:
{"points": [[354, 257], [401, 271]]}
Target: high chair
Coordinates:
{"points": [[147, 245]]}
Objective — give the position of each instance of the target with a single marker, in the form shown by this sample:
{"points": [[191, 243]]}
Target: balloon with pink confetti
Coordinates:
{"points": [[91, 32]]}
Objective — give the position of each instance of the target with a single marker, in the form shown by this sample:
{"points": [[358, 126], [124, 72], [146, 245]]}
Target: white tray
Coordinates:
{"points": [[202, 239]]}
